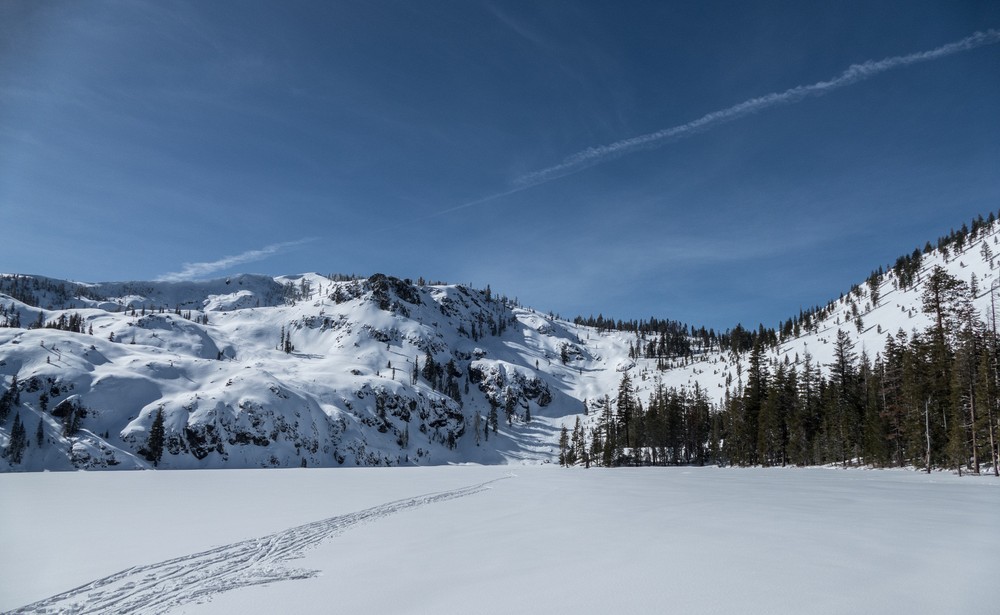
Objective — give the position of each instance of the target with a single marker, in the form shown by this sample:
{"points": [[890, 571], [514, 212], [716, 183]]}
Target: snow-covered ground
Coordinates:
{"points": [[479, 539]]}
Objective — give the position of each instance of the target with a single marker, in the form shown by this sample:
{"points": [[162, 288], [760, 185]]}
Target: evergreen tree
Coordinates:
{"points": [[963, 437], [989, 378], [578, 448], [803, 419], [745, 410], [431, 370], [894, 408], [156, 440], [697, 428], [941, 295], [493, 420], [779, 404], [672, 417], [6, 403], [626, 406], [608, 437], [845, 399], [509, 404], [563, 446], [18, 441], [596, 448], [875, 429]]}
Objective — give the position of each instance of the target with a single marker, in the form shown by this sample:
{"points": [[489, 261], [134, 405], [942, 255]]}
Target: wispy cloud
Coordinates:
{"points": [[193, 271], [855, 73]]}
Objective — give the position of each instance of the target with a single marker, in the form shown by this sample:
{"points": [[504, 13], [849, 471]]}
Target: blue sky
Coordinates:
{"points": [[162, 139]]}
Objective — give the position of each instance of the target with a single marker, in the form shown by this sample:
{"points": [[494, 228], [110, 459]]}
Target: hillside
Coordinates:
{"points": [[869, 312], [253, 371]]}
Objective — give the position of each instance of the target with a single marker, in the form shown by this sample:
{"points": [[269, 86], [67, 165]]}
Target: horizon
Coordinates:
{"points": [[713, 165]]}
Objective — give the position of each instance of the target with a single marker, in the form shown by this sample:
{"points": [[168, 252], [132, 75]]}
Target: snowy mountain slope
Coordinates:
{"points": [[289, 371], [868, 313], [252, 371]]}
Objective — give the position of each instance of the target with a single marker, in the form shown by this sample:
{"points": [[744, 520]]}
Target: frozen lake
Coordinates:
{"points": [[500, 539]]}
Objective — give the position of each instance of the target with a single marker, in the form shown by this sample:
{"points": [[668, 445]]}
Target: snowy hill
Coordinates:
{"points": [[883, 305], [253, 371], [258, 372]]}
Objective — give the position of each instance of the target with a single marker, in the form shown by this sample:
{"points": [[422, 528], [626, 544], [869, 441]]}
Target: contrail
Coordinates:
{"points": [[855, 73], [192, 271]]}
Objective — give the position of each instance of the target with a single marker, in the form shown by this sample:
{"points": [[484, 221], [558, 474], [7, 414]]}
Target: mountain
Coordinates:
{"points": [[254, 371], [889, 301], [251, 371]]}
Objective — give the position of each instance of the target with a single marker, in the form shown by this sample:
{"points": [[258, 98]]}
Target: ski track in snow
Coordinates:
{"points": [[156, 588]]}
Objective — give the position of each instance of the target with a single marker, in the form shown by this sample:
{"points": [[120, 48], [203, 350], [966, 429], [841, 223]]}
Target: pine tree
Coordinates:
{"points": [[563, 446], [672, 416], [492, 419], [608, 436], [578, 448], [941, 301], [778, 406], [155, 442], [509, 405], [875, 426], [6, 403], [845, 400], [18, 441], [963, 434], [894, 409], [40, 432], [596, 448], [802, 421], [431, 370], [989, 371], [626, 406], [698, 428]]}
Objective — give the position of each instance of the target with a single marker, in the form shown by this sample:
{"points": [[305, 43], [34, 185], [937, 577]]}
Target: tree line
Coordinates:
{"points": [[931, 399]]}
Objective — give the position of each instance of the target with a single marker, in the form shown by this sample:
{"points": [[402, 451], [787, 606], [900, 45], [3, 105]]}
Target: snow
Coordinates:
{"points": [[232, 399], [520, 537], [459, 539], [895, 310]]}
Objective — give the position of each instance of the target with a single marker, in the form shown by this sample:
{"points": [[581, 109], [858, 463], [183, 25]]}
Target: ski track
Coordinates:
{"points": [[156, 588]]}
